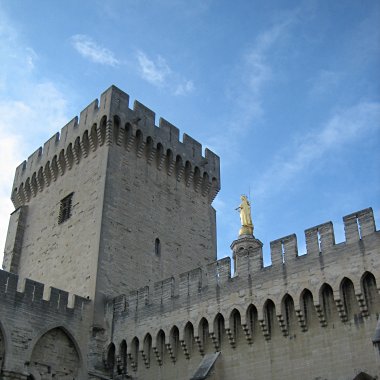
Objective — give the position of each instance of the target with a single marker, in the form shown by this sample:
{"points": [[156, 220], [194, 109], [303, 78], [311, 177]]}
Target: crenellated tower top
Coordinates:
{"points": [[111, 121]]}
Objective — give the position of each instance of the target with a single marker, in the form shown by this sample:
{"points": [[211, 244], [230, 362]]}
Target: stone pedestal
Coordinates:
{"points": [[247, 245]]}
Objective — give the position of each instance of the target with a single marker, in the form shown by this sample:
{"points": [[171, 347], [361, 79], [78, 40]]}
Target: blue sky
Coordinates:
{"points": [[287, 93]]}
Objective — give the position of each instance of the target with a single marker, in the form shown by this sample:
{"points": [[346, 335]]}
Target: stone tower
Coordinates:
{"points": [[112, 203]]}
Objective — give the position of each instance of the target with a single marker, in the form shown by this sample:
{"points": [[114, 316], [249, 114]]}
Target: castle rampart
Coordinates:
{"points": [[109, 121], [332, 286], [26, 319]]}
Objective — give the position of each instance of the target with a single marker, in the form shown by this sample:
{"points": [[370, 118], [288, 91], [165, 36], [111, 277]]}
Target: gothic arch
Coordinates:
{"points": [[56, 351], [219, 330], [326, 300], [370, 292], [347, 294], [289, 314], [308, 308], [252, 321], [269, 312], [203, 333], [188, 337], [235, 325]]}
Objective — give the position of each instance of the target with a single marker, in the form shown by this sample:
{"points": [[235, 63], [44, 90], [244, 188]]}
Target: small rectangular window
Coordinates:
{"points": [[65, 208]]}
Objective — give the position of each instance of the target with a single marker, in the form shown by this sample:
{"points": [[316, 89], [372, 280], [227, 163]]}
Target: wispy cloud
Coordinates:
{"points": [[342, 128], [155, 73], [158, 73], [252, 73], [89, 49]]}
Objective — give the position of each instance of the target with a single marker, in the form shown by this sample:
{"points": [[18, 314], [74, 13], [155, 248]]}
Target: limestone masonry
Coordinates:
{"points": [[110, 269]]}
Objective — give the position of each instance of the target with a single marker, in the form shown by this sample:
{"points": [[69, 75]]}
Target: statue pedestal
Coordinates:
{"points": [[247, 245]]}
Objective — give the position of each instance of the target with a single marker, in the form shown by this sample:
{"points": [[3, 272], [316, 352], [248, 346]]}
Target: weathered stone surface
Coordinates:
{"points": [[139, 248]]}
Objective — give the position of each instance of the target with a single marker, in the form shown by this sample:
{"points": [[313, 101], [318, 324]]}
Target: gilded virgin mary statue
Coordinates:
{"points": [[245, 216]]}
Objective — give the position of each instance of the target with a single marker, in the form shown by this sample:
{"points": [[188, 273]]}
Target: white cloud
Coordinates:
{"points": [[342, 128], [89, 49], [155, 73], [252, 73], [158, 73]]}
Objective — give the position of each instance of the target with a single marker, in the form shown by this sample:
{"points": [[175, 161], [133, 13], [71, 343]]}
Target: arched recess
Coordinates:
{"points": [[219, 331], [116, 130], [270, 318], [123, 358], [235, 326], [364, 376], [174, 343], [350, 303], [309, 312], [189, 338], [369, 290], [326, 297], [203, 333], [56, 353], [110, 358], [160, 346], [252, 323], [103, 130], [289, 314], [147, 349]]}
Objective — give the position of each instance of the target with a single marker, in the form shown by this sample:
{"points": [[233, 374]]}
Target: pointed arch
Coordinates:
{"points": [[40, 179], [235, 326], [147, 348], [102, 131], [174, 341], [123, 357], [134, 353], [219, 330], [93, 137], [370, 292], [61, 162], [85, 144], [347, 294], [252, 321], [203, 334], [110, 358], [77, 151], [189, 337], [289, 314], [326, 300], [308, 308], [116, 130], [160, 156], [270, 317], [57, 350], [160, 346], [47, 173], [69, 156]]}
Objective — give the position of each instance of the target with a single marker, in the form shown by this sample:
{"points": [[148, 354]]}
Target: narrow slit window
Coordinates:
{"points": [[157, 247], [65, 208]]}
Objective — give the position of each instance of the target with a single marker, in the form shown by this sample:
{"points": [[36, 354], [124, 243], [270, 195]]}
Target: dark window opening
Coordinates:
{"points": [[65, 208], [157, 247]]}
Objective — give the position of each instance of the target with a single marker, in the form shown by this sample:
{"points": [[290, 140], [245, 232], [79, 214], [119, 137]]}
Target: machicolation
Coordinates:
{"points": [[118, 211]]}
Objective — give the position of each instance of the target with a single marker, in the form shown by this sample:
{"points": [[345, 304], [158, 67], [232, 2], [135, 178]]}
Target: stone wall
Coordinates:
{"points": [[42, 337], [309, 317]]}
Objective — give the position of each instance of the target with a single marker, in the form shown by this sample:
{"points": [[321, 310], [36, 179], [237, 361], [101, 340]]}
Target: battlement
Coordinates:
{"points": [[110, 121], [287, 266], [33, 293]]}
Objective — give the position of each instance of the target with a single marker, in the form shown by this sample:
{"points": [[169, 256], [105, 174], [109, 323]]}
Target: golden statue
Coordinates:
{"points": [[245, 216]]}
